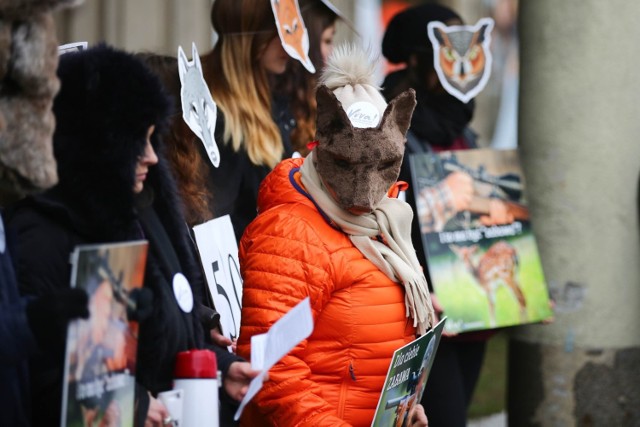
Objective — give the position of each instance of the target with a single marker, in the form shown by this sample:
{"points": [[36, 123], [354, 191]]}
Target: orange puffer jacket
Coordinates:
{"points": [[289, 252]]}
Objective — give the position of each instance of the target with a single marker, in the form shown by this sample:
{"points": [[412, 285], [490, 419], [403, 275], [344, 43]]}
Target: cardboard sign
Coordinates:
{"points": [[461, 56], [199, 110], [407, 378], [219, 255], [72, 47], [101, 351], [481, 251]]}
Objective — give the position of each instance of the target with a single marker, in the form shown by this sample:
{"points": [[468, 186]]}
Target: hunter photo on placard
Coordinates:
{"points": [[481, 252], [101, 353]]}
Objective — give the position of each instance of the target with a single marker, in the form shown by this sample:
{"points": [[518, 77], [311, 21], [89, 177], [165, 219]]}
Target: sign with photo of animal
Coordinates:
{"points": [[461, 56], [482, 257]]}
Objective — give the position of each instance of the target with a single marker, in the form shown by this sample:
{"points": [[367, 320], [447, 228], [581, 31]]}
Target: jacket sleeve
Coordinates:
{"points": [[17, 340], [42, 254], [283, 260], [15, 335]]}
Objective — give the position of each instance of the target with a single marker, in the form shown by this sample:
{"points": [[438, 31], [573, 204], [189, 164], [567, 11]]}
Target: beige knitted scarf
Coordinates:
{"points": [[396, 257]]}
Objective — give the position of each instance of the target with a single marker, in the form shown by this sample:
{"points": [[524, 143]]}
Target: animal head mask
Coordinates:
{"points": [[461, 56], [292, 31], [199, 110], [360, 138]]}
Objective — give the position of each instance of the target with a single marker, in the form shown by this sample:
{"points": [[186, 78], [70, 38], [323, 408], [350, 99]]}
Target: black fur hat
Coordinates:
{"points": [[407, 31], [107, 101]]}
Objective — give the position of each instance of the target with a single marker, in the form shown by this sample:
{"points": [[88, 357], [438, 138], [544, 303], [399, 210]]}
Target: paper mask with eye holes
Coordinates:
{"points": [[292, 31], [461, 56], [199, 110]]}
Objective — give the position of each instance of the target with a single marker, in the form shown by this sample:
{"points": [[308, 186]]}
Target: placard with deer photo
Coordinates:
{"points": [[481, 253]]}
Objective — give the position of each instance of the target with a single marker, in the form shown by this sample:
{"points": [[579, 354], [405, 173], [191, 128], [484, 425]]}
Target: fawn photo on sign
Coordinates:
{"points": [[481, 253]]}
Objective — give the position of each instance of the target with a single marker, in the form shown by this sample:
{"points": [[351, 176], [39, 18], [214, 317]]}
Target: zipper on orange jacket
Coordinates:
{"points": [[344, 389]]}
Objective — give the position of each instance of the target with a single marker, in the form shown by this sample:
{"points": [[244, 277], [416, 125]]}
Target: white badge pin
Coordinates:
{"points": [[182, 292]]}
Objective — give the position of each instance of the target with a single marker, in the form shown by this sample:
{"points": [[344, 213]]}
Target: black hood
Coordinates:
{"points": [[107, 101]]}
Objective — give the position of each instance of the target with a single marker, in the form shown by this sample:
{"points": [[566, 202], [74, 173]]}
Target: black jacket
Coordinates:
{"points": [[17, 345], [48, 230], [437, 121], [102, 121]]}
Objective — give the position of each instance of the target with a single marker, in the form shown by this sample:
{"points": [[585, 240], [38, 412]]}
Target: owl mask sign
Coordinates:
{"points": [[461, 56], [292, 31]]}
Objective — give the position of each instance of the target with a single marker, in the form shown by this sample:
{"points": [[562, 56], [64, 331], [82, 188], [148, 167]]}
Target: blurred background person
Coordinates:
{"points": [[237, 71], [114, 186], [294, 91], [28, 84], [313, 238], [439, 122]]}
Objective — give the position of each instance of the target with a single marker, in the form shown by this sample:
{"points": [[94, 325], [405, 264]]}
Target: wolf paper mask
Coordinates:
{"points": [[199, 110], [359, 165], [461, 56]]}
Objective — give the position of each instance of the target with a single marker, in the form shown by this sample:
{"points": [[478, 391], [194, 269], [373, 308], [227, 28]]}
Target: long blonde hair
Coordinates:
{"points": [[237, 81]]}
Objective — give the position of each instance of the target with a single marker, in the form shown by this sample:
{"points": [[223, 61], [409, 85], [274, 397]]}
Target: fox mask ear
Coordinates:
{"points": [[399, 111], [331, 118]]}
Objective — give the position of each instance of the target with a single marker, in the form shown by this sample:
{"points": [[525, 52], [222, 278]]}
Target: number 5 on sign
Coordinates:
{"points": [[219, 254]]}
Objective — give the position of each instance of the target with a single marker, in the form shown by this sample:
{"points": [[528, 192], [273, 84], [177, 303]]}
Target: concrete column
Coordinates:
{"points": [[579, 135]]}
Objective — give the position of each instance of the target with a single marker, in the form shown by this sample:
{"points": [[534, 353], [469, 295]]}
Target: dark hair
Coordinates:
{"points": [[406, 33]]}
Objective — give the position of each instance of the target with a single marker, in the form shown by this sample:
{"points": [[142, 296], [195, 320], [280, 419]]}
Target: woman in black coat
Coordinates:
{"points": [[114, 186]]}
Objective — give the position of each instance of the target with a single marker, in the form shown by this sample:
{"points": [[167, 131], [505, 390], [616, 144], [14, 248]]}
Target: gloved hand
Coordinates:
{"points": [[142, 306], [48, 315]]}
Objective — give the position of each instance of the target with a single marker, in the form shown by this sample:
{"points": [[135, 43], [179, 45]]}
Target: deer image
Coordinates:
{"points": [[497, 266]]}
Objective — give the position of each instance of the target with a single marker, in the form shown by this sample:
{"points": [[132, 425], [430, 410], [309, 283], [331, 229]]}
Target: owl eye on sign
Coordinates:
{"points": [[292, 31], [461, 56]]}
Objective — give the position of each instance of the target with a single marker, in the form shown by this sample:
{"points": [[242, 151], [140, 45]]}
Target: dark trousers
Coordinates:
{"points": [[451, 382]]}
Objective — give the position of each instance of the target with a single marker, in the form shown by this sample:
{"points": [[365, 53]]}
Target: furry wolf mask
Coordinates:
{"points": [[360, 138]]}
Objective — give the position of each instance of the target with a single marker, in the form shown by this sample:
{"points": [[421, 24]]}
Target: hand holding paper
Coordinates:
{"points": [[267, 349]]}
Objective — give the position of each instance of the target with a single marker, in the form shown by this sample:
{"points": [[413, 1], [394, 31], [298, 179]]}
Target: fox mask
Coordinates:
{"points": [[292, 31]]}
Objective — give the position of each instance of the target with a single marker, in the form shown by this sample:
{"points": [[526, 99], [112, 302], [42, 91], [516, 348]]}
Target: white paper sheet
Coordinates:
{"points": [[295, 326]]}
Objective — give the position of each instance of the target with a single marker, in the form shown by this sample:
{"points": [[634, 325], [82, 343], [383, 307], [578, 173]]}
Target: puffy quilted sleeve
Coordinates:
{"points": [[283, 260]]}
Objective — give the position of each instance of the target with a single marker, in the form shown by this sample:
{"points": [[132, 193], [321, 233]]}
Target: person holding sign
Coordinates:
{"points": [[440, 122], [328, 230], [114, 186]]}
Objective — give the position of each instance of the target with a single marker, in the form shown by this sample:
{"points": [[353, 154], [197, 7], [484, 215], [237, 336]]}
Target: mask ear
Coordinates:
{"points": [[182, 64], [399, 111], [331, 118]]}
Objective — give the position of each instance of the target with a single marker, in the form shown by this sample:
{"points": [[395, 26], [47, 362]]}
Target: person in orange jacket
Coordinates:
{"points": [[327, 229]]}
